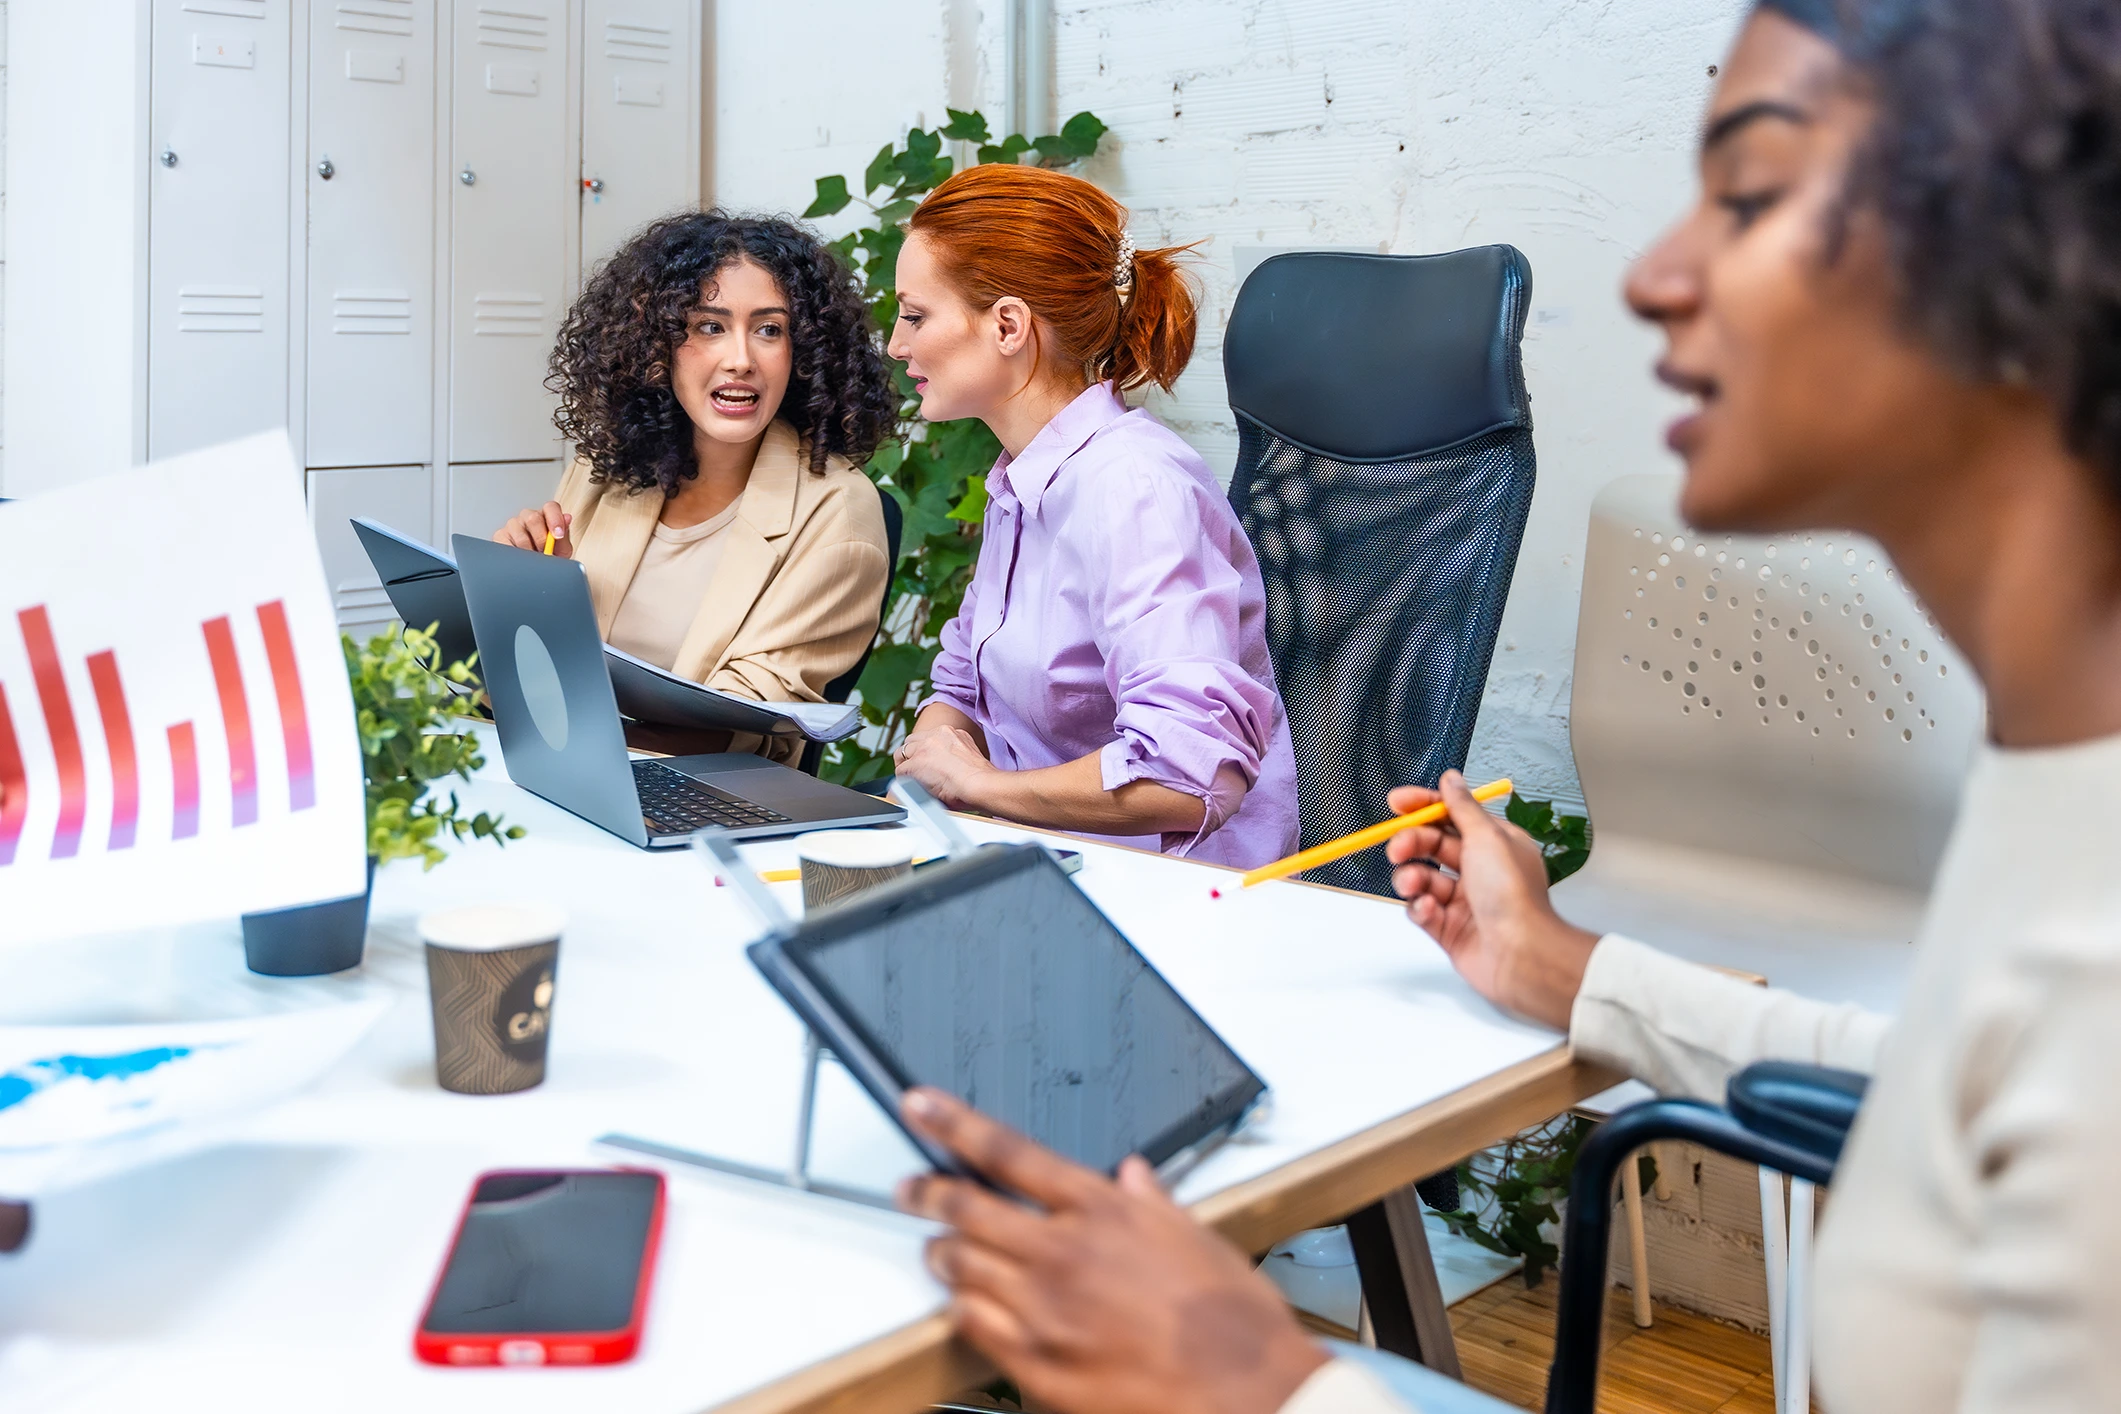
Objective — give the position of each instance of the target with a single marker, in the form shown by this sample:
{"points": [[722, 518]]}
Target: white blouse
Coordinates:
{"points": [[1970, 1259]]}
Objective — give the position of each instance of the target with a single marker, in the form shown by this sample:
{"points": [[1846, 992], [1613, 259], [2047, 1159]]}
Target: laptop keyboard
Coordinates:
{"points": [[674, 803]]}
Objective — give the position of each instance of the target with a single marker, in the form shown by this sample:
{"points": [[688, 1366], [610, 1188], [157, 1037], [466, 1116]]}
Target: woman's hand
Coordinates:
{"points": [[1111, 1300], [526, 530], [949, 762], [1491, 913]]}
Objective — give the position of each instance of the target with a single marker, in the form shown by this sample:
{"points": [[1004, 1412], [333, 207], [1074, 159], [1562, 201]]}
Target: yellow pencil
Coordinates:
{"points": [[1362, 839], [548, 544]]}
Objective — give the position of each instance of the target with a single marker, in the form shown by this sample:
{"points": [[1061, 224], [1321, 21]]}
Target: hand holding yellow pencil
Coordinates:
{"points": [[1364, 839]]}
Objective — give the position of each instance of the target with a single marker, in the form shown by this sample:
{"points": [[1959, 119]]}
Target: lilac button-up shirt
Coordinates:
{"points": [[1117, 609]]}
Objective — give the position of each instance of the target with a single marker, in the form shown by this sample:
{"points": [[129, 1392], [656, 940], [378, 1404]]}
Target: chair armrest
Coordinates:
{"points": [[1807, 1107]]}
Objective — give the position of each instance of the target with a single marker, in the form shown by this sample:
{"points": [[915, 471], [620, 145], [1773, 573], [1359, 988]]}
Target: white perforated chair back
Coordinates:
{"points": [[1771, 735]]}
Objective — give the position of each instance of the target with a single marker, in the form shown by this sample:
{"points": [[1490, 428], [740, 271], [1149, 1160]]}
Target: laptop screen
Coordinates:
{"points": [[998, 980]]}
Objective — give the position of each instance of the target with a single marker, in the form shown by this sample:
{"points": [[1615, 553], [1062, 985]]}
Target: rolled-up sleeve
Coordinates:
{"points": [[1188, 716]]}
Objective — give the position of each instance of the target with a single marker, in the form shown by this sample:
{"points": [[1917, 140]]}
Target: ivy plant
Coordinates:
{"points": [[402, 701], [936, 471], [1565, 840]]}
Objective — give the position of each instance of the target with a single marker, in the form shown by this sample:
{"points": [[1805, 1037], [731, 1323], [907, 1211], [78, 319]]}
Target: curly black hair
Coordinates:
{"points": [[611, 366], [1995, 164]]}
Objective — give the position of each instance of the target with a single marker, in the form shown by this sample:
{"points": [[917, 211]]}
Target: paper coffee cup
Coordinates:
{"points": [[490, 976], [840, 863]]}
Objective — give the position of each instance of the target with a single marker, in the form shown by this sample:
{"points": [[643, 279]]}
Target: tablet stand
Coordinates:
{"points": [[797, 1175], [724, 859]]}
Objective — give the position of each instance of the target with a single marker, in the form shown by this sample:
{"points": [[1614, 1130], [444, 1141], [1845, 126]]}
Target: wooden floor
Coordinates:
{"points": [[1683, 1364]]}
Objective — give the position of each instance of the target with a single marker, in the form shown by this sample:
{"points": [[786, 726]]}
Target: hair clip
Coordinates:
{"points": [[1123, 268]]}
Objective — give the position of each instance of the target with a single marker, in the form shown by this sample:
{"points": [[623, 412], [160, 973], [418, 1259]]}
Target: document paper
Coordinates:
{"points": [[176, 736]]}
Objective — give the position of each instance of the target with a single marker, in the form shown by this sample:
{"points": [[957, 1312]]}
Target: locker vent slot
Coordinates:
{"points": [[371, 312], [512, 29], [516, 316], [234, 9], [377, 17], [650, 43], [220, 309], [363, 605]]}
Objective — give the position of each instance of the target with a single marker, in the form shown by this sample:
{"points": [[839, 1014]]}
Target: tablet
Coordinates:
{"points": [[995, 978], [423, 586]]}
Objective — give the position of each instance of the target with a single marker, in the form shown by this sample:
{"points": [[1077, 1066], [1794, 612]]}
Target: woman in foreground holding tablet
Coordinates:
{"points": [[720, 381], [1108, 673], [1898, 304]]}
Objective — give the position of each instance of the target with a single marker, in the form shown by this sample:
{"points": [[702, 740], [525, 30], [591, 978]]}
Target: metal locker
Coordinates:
{"points": [[399, 497], [640, 118], [511, 197], [371, 231], [482, 497], [217, 341]]}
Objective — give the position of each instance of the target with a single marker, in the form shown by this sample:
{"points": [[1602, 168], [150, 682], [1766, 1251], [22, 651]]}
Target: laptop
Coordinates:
{"points": [[422, 585], [543, 665]]}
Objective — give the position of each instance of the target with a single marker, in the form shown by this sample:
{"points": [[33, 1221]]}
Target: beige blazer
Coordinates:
{"points": [[796, 597]]}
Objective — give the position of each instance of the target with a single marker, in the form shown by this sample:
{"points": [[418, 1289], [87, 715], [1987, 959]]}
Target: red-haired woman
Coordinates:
{"points": [[1108, 673]]}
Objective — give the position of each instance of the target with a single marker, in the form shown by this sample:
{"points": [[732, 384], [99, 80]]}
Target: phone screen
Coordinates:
{"points": [[548, 1253]]}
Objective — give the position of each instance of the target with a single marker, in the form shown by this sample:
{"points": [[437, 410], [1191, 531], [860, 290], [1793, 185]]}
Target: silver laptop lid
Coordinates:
{"points": [[543, 664]]}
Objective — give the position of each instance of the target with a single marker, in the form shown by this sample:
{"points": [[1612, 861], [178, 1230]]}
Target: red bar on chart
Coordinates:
{"points": [[235, 717], [59, 721], [294, 716], [184, 774], [118, 736], [14, 785]]}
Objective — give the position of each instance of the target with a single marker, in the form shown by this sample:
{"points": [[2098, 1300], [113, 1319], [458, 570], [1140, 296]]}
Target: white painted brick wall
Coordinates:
{"points": [[1563, 127]]}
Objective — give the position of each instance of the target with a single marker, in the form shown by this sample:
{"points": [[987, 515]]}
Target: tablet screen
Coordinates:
{"points": [[998, 981]]}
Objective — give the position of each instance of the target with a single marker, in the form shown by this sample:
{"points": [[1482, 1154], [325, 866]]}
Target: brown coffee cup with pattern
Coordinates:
{"points": [[838, 864], [491, 971]]}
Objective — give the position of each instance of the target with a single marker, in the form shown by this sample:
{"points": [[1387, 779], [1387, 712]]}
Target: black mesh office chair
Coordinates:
{"points": [[1384, 472], [842, 687]]}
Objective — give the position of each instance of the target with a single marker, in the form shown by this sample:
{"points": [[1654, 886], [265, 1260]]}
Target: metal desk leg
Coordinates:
{"points": [[1400, 1292]]}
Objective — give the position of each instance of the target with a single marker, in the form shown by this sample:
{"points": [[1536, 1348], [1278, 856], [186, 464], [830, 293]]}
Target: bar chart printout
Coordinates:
{"points": [[176, 738]]}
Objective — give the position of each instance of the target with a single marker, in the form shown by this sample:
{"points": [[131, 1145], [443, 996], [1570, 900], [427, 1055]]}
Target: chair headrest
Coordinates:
{"points": [[1381, 357]]}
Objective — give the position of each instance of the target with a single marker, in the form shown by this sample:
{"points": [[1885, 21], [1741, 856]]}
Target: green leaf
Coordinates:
{"points": [[1081, 133], [880, 169], [1054, 148], [923, 146], [1007, 150], [965, 127], [892, 671], [972, 508], [832, 198], [1534, 817], [896, 211]]}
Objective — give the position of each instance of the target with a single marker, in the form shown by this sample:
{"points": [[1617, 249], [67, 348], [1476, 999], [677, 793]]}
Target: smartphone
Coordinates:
{"points": [[548, 1267]]}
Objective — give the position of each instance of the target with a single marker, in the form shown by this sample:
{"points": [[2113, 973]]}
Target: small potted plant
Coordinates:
{"points": [[404, 699]]}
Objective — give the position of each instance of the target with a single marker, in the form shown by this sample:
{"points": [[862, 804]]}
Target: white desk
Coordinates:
{"points": [[284, 1267]]}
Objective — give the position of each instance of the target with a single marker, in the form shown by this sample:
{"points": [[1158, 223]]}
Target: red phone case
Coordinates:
{"points": [[542, 1347]]}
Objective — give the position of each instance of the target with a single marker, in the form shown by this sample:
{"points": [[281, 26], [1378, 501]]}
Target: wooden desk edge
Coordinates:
{"points": [[920, 1363]]}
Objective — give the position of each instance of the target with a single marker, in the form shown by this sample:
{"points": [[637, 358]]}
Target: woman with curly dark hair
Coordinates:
{"points": [[1895, 309], [722, 387]]}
